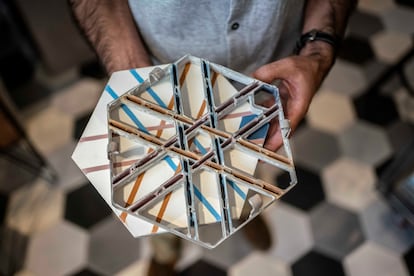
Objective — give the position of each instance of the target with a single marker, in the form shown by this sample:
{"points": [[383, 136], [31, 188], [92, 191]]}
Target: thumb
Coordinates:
{"points": [[270, 72]]}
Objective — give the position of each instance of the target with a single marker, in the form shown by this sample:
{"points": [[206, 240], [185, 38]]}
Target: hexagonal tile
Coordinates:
{"points": [[13, 176], [70, 176], [376, 108], [371, 259], [203, 268], [390, 46], [190, 253], [315, 263], [381, 225], [307, 193], [336, 231], [409, 260], [45, 255], [50, 129], [400, 135], [229, 252], [363, 24], [314, 148], [85, 207], [259, 264], [79, 98], [139, 267], [36, 207], [405, 104], [12, 250], [399, 19], [365, 142], [291, 232], [373, 70], [331, 112], [356, 50], [350, 183], [377, 7], [112, 247], [345, 78]]}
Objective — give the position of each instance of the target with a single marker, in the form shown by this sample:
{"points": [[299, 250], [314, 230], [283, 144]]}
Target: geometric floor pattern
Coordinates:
{"points": [[334, 222]]}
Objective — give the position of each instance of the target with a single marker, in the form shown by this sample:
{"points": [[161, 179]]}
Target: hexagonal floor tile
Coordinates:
{"points": [[291, 231], [35, 207], [336, 231], [400, 134], [50, 129], [365, 142], [13, 176], [79, 98], [390, 46], [356, 50], [331, 112], [345, 78], [229, 252], [203, 268], [259, 264], [409, 260], [381, 225], [371, 259], [70, 176], [13, 246], [363, 24], [46, 257], [377, 7], [315, 263], [85, 207], [314, 149], [139, 267], [376, 108], [350, 183], [399, 19], [112, 247], [307, 193]]}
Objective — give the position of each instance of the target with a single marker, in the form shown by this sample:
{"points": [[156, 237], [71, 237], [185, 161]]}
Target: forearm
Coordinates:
{"points": [[329, 17], [110, 28]]}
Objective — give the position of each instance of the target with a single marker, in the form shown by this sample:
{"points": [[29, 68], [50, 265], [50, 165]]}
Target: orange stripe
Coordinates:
{"points": [[164, 204], [132, 195], [159, 131], [167, 197], [214, 78], [184, 73], [161, 212], [202, 109], [136, 185]]}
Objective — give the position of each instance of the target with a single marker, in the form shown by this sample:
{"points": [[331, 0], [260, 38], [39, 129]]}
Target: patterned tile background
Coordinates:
{"points": [[334, 222]]}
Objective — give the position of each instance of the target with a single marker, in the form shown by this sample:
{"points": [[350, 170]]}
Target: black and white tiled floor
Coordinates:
{"points": [[334, 222]]}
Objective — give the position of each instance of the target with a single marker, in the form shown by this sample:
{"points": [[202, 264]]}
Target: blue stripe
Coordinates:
{"points": [[237, 189], [200, 146], [127, 111], [149, 89], [170, 162], [206, 203]]}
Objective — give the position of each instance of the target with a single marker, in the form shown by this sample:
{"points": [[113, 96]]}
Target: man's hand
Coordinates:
{"points": [[300, 78]]}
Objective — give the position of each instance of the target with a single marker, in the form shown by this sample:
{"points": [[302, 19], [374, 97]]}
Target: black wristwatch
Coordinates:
{"points": [[314, 35]]}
